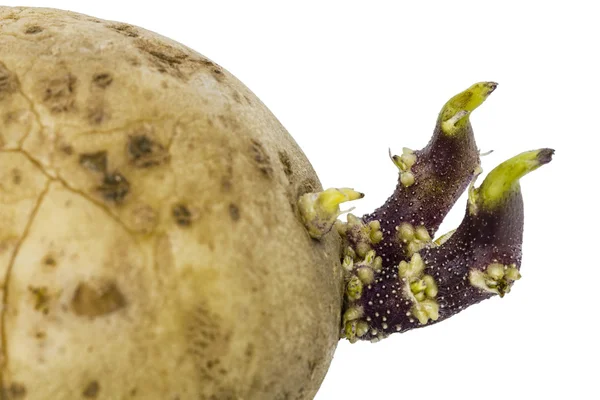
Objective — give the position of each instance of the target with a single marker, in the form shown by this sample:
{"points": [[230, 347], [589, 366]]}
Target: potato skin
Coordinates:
{"points": [[149, 242]]}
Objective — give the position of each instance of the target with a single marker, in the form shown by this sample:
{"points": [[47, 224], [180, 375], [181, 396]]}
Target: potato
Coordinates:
{"points": [[150, 245], [163, 237]]}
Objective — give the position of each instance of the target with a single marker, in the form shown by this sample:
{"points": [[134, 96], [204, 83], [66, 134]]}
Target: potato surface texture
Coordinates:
{"points": [[150, 245]]}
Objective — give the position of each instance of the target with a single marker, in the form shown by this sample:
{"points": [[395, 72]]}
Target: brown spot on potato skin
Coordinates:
{"points": [[217, 73], [102, 80], [59, 93], [17, 178], [173, 61], [93, 302], [262, 159], [8, 82], [167, 59], [41, 297], [114, 187], [182, 215], [234, 212], [14, 391], [145, 153], [33, 29], [287, 164], [67, 149], [96, 162], [91, 390], [49, 261]]}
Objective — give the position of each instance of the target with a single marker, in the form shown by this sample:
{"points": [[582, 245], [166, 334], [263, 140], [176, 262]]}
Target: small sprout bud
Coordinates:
{"points": [[495, 271], [432, 290], [352, 314], [415, 239], [408, 159], [348, 263], [361, 328], [420, 296], [362, 249], [421, 315], [418, 286], [406, 232], [407, 178], [422, 234], [354, 288], [497, 278], [350, 331], [366, 275], [417, 263], [349, 251], [340, 227], [319, 211], [375, 225], [512, 274], [369, 257], [352, 219], [403, 269], [432, 309], [377, 263], [376, 237]]}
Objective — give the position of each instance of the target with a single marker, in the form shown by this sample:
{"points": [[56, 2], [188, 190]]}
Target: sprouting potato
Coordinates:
{"points": [[163, 237]]}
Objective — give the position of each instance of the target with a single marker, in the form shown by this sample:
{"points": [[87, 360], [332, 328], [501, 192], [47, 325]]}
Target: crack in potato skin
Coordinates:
{"points": [[6, 282]]}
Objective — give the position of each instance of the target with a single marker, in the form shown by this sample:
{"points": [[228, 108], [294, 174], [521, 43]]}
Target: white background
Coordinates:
{"points": [[350, 79]]}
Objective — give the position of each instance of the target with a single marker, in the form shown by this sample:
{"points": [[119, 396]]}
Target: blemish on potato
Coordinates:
{"points": [[227, 178], [182, 215], [167, 59], [114, 187], [144, 152], [8, 82], [40, 335], [102, 80], [215, 69], [125, 30], [287, 164], [67, 149], [234, 212], [17, 177], [96, 162], [59, 93], [15, 391], [262, 159], [33, 29], [49, 261], [89, 301], [41, 298], [91, 390], [307, 186], [217, 74], [170, 60]]}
